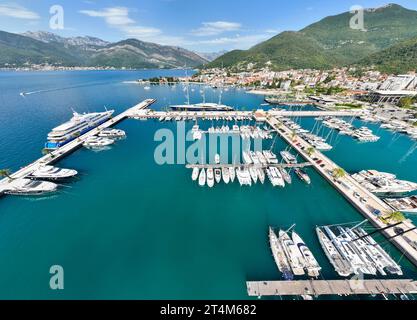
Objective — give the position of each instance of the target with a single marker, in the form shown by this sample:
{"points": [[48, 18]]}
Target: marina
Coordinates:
{"points": [[239, 213]]}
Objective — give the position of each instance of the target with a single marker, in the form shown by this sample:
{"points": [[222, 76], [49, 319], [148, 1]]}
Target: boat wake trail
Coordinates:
{"points": [[84, 85]]}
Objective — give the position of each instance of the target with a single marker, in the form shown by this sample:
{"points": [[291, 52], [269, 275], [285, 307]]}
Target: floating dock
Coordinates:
{"points": [[62, 152], [334, 287], [348, 187]]}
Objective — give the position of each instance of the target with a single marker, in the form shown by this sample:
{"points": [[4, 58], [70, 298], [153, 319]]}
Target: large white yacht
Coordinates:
{"points": [[28, 187], [77, 126], [53, 173], [294, 256], [279, 256], [384, 184], [311, 265]]}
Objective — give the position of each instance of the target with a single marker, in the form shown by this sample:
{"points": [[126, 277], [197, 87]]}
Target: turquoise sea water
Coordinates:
{"points": [[130, 229]]}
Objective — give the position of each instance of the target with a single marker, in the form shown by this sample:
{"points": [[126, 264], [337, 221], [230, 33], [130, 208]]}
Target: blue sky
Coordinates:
{"points": [[200, 25]]}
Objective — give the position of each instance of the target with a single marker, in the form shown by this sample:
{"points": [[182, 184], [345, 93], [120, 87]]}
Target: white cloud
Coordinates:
{"points": [[216, 28], [17, 11], [241, 42], [115, 17]]}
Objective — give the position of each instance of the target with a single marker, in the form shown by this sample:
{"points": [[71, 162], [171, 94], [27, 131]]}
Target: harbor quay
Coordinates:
{"points": [[331, 287], [67, 149], [363, 200]]}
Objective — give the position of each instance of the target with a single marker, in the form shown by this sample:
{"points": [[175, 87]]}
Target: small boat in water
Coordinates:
{"points": [[302, 175], [217, 159], [226, 175], [195, 174], [28, 187], [202, 178], [97, 143], [261, 175], [218, 175], [286, 176], [52, 173], [232, 173], [112, 133], [210, 178]]}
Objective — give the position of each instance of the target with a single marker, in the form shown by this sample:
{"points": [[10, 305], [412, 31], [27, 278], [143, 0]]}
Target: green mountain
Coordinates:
{"points": [[330, 42], [40, 48], [397, 59]]}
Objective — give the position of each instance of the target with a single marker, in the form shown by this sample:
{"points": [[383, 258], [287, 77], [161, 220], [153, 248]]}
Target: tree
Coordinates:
{"points": [[5, 173], [396, 216], [339, 173], [310, 151]]}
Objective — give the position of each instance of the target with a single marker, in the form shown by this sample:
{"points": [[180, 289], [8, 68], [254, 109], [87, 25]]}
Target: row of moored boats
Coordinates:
{"points": [[353, 251], [257, 166], [292, 256], [363, 134]]}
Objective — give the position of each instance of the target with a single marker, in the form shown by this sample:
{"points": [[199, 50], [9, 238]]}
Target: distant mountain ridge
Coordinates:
{"points": [[211, 56], [328, 43], [18, 50]]}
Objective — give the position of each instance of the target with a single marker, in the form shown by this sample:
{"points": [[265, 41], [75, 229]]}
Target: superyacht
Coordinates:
{"points": [[76, 127]]}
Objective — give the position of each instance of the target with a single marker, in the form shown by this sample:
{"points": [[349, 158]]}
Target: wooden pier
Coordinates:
{"points": [[333, 287], [65, 150]]}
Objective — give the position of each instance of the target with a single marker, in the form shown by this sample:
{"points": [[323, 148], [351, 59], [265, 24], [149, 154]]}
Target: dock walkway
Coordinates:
{"points": [[237, 166], [60, 153], [151, 114], [333, 287]]}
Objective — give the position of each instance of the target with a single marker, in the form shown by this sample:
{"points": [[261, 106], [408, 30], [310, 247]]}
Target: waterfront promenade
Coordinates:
{"points": [[364, 201], [65, 150]]}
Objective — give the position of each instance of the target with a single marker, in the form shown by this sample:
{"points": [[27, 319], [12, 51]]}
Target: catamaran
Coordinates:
{"points": [[279, 256], [339, 262], [244, 177], [390, 265], [359, 249], [52, 173], [345, 249], [76, 127], [288, 157]]}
